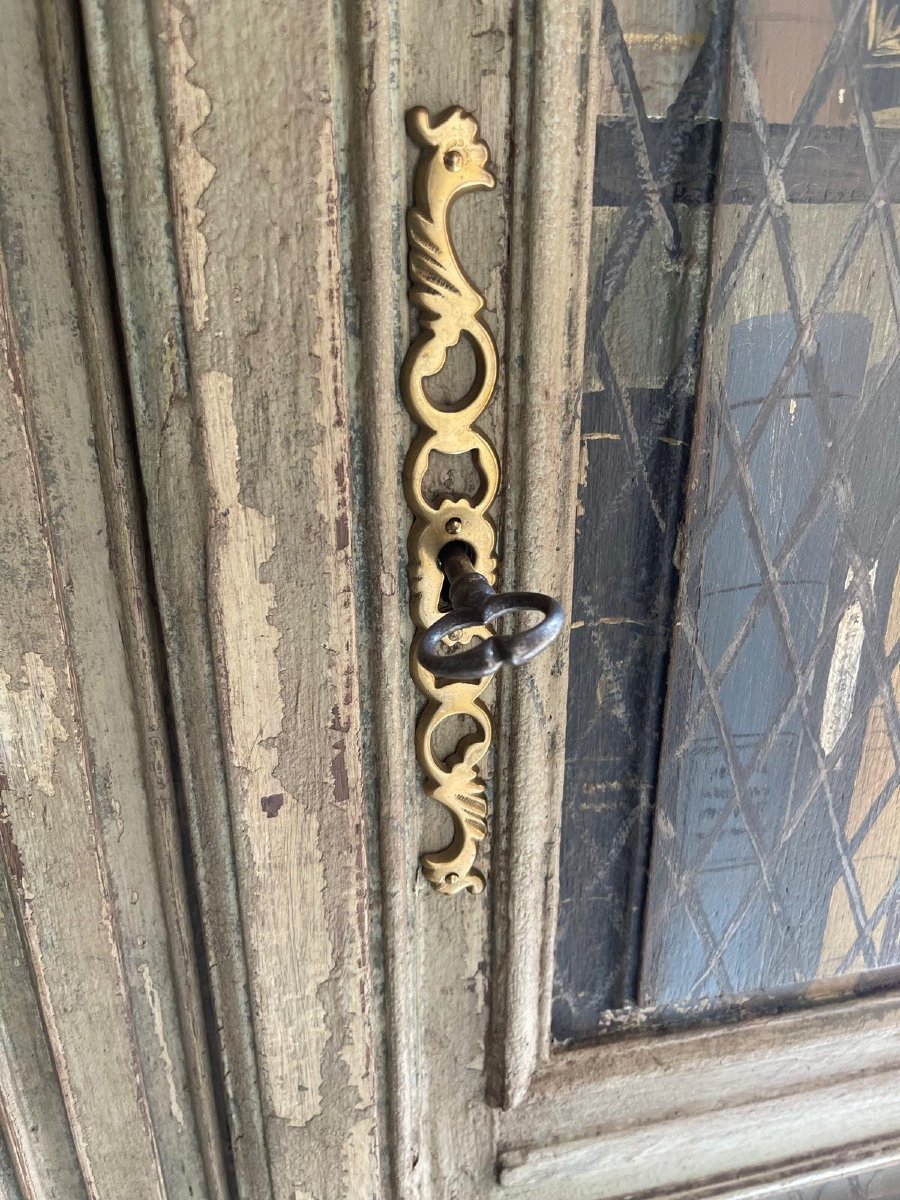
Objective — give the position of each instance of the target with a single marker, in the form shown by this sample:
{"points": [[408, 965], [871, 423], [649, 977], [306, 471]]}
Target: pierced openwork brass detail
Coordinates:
{"points": [[453, 160]]}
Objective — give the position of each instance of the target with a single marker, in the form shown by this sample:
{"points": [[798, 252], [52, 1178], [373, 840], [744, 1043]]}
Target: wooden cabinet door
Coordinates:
{"points": [[223, 974]]}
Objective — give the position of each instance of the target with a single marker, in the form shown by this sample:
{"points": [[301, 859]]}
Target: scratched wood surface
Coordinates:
{"points": [[259, 617], [278, 313], [244, 446], [103, 1078]]}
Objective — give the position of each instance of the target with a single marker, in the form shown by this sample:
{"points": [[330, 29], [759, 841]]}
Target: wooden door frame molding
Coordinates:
{"points": [[105, 1082], [554, 115], [831, 1083], [779, 1179]]}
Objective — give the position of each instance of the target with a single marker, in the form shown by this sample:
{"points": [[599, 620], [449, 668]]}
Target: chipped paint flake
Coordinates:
{"points": [[192, 173], [29, 728], [286, 930], [165, 1057]]}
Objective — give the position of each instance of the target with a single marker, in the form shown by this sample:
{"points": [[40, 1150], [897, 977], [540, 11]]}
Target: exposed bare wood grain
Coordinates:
{"points": [[577, 1163], [626, 1089], [368, 1038]]}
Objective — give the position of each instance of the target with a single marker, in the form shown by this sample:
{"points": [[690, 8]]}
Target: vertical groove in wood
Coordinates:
{"points": [[262, 319], [128, 560], [34, 1127], [120, 46], [45, 759], [78, 846], [253, 175], [371, 157], [555, 114]]}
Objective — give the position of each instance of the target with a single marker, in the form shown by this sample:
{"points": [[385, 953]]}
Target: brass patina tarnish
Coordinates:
{"points": [[453, 160]]}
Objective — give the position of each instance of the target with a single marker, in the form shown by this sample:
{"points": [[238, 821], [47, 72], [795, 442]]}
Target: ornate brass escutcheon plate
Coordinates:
{"points": [[452, 161]]}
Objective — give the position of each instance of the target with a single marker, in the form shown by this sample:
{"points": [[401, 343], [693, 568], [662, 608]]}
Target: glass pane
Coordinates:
{"points": [[765, 816]]}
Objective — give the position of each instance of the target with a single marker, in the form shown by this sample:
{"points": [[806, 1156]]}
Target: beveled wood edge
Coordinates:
{"points": [[120, 41], [837, 1063], [555, 107], [779, 1179], [371, 151], [570, 1069]]}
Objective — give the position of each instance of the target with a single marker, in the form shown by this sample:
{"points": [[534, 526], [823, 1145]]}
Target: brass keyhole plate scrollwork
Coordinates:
{"points": [[452, 161]]}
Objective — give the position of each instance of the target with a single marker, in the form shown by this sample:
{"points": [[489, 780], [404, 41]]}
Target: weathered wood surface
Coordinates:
{"points": [[629, 1116], [9, 1188], [126, 109], [36, 1137], [104, 1090], [245, 455], [556, 103], [261, 294]]}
